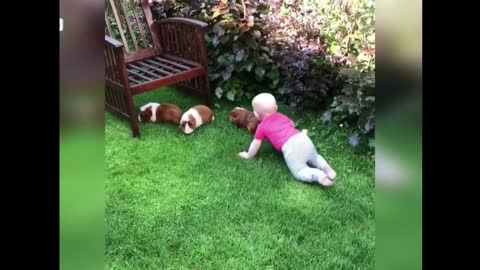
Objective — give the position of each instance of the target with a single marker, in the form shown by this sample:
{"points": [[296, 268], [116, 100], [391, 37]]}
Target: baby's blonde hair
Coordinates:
{"points": [[264, 104]]}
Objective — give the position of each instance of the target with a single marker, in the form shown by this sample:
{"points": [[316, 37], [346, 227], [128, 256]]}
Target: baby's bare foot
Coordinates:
{"points": [[326, 182], [330, 173]]}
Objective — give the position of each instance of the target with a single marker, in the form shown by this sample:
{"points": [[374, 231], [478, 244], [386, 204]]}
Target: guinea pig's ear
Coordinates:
{"points": [[191, 124], [233, 114]]}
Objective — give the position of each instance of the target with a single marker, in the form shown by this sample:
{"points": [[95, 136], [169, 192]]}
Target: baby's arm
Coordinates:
{"points": [[252, 151]]}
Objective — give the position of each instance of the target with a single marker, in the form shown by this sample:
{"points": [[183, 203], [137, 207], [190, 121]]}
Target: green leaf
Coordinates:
{"points": [[354, 139], [369, 125], [274, 74], [260, 71], [231, 96], [219, 92], [214, 76], [353, 109], [257, 34], [348, 90], [225, 59], [226, 73], [248, 67], [218, 29], [218, 10], [240, 55], [225, 39], [326, 117], [236, 47], [222, 59], [251, 43], [275, 82]]}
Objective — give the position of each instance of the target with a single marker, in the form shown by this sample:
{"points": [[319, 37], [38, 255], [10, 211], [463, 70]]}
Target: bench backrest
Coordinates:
{"points": [[131, 22]]}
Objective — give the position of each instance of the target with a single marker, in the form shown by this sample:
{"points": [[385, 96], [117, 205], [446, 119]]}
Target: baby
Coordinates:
{"points": [[297, 148]]}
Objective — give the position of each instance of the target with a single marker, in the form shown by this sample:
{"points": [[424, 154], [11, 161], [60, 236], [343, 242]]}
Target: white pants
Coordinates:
{"points": [[299, 150]]}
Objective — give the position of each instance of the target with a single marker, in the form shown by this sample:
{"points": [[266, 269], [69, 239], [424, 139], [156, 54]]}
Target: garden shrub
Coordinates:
{"points": [[240, 63], [354, 106], [317, 54]]}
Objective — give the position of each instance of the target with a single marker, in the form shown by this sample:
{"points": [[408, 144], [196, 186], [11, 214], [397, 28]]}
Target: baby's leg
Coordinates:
{"points": [[307, 174], [297, 152], [318, 161]]}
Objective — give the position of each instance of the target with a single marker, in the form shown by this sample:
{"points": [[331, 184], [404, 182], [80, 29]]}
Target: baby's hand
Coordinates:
{"points": [[243, 155]]}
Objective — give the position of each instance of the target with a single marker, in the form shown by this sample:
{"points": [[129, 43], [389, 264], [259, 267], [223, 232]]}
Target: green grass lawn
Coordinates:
{"points": [[177, 201]]}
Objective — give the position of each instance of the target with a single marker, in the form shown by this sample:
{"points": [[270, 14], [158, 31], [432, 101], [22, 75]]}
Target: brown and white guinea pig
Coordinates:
{"points": [[195, 117], [244, 118], [160, 113]]}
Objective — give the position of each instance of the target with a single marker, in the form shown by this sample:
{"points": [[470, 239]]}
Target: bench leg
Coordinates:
{"points": [[133, 116], [134, 127]]}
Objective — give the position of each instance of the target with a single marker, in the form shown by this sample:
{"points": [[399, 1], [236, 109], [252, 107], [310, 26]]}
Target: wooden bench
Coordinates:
{"points": [[170, 52]]}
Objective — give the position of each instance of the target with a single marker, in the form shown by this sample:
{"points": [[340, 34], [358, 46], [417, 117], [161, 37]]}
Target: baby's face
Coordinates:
{"points": [[257, 115]]}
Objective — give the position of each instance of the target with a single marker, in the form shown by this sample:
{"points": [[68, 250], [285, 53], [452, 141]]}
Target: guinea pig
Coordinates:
{"points": [[195, 117], [160, 113], [244, 118]]}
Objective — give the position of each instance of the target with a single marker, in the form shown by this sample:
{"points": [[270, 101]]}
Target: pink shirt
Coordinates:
{"points": [[277, 128]]}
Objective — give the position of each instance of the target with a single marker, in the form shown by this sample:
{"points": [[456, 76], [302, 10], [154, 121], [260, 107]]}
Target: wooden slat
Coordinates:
{"points": [[119, 25], [115, 99], [117, 111], [146, 71], [110, 32], [108, 65], [172, 63], [139, 75], [141, 54], [123, 101], [113, 59], [172, 41], [156, 68], [111, 63], [178, 59], [113, 84], [135, 81], [110, 95], [149, 18], [107, 94], [163, 65], [177, 43], [169, 80], [113, 42], [129, 25], [139, 23], [185, 21], [162, 37], [118, 100]]}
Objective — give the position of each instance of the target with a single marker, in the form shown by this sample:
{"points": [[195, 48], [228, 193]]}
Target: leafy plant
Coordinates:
{"points": [[308, 80], [354, 107], [348, 30], [312, 53], [240, 62]]}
